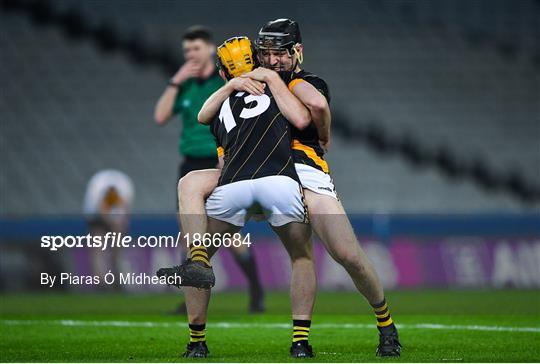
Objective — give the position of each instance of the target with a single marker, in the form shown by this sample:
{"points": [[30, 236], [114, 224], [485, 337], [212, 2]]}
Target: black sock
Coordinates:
{"points": [[301, 330], [197, 333], [247, 262], [385, 324]]}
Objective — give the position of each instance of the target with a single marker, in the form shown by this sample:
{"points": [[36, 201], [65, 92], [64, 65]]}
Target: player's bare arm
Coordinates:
{"points": [[292, 108], [213, 103], [318, 108]]}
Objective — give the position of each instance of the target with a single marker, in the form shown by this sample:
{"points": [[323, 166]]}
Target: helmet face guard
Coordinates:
{"points": [[263, 53], [236, 56], [281, 35]]}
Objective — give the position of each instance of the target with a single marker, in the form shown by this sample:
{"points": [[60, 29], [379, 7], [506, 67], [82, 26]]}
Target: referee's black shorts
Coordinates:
{"points": [[196, 163]]}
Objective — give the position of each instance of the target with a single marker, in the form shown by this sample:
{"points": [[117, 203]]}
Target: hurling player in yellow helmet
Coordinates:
{"points": [[258, 176], [236, 56]]}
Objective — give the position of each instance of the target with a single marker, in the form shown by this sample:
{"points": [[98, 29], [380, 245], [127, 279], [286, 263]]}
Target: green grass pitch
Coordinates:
{"points": [[436, 326]]}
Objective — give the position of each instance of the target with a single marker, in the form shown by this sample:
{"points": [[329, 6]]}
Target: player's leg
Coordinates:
{"points": [[282, 197], [296, 238], [197, 300], [184, 168], [193, 190], [197, 272], [332, 225], [193, 187], [227, 212]]}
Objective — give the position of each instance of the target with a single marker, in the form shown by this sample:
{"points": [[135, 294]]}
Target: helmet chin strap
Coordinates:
{"points": [[299, 57]]}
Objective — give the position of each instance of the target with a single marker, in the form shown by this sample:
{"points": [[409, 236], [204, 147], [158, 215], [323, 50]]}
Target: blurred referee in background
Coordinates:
{"points": [[186, 92]]}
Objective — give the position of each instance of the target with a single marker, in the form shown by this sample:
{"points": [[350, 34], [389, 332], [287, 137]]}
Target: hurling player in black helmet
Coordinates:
{"points": [[280, 49], [283, 37]]}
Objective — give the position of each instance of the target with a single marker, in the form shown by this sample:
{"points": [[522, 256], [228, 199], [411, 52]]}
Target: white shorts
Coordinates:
{"points": [[278, 198], [315, 180]]}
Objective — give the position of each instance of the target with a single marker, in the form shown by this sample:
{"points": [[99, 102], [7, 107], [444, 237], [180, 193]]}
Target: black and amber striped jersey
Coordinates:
{"points": [[305, 143], [255, 138]]}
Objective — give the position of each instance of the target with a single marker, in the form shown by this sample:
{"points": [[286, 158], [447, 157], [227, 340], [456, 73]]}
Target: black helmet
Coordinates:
{"points": [[279, 33]]}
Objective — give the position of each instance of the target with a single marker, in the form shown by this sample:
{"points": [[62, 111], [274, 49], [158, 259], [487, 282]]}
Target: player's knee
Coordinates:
{"points": [[302, 263], [179, 186], [299, 254], [351, 261], [188, 186], [183, 184]]}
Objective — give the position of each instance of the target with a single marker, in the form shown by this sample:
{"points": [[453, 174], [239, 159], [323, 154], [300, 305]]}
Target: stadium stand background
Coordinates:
{"points": [[436, 107]]}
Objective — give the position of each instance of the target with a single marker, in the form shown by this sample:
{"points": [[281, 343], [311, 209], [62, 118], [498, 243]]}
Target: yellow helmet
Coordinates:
{"points": [[236, 56]]}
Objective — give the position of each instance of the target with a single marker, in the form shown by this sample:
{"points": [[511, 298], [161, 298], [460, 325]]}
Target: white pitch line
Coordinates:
{"points": [[238, 325]]}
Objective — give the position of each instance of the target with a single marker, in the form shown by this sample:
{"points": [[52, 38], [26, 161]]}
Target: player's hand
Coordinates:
{"points": [[325, 145], [188, 70], [260, 74], [249, 85]]}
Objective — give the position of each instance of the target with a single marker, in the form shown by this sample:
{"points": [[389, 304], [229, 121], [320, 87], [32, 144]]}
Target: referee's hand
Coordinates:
{"points": [[189, 69]]}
